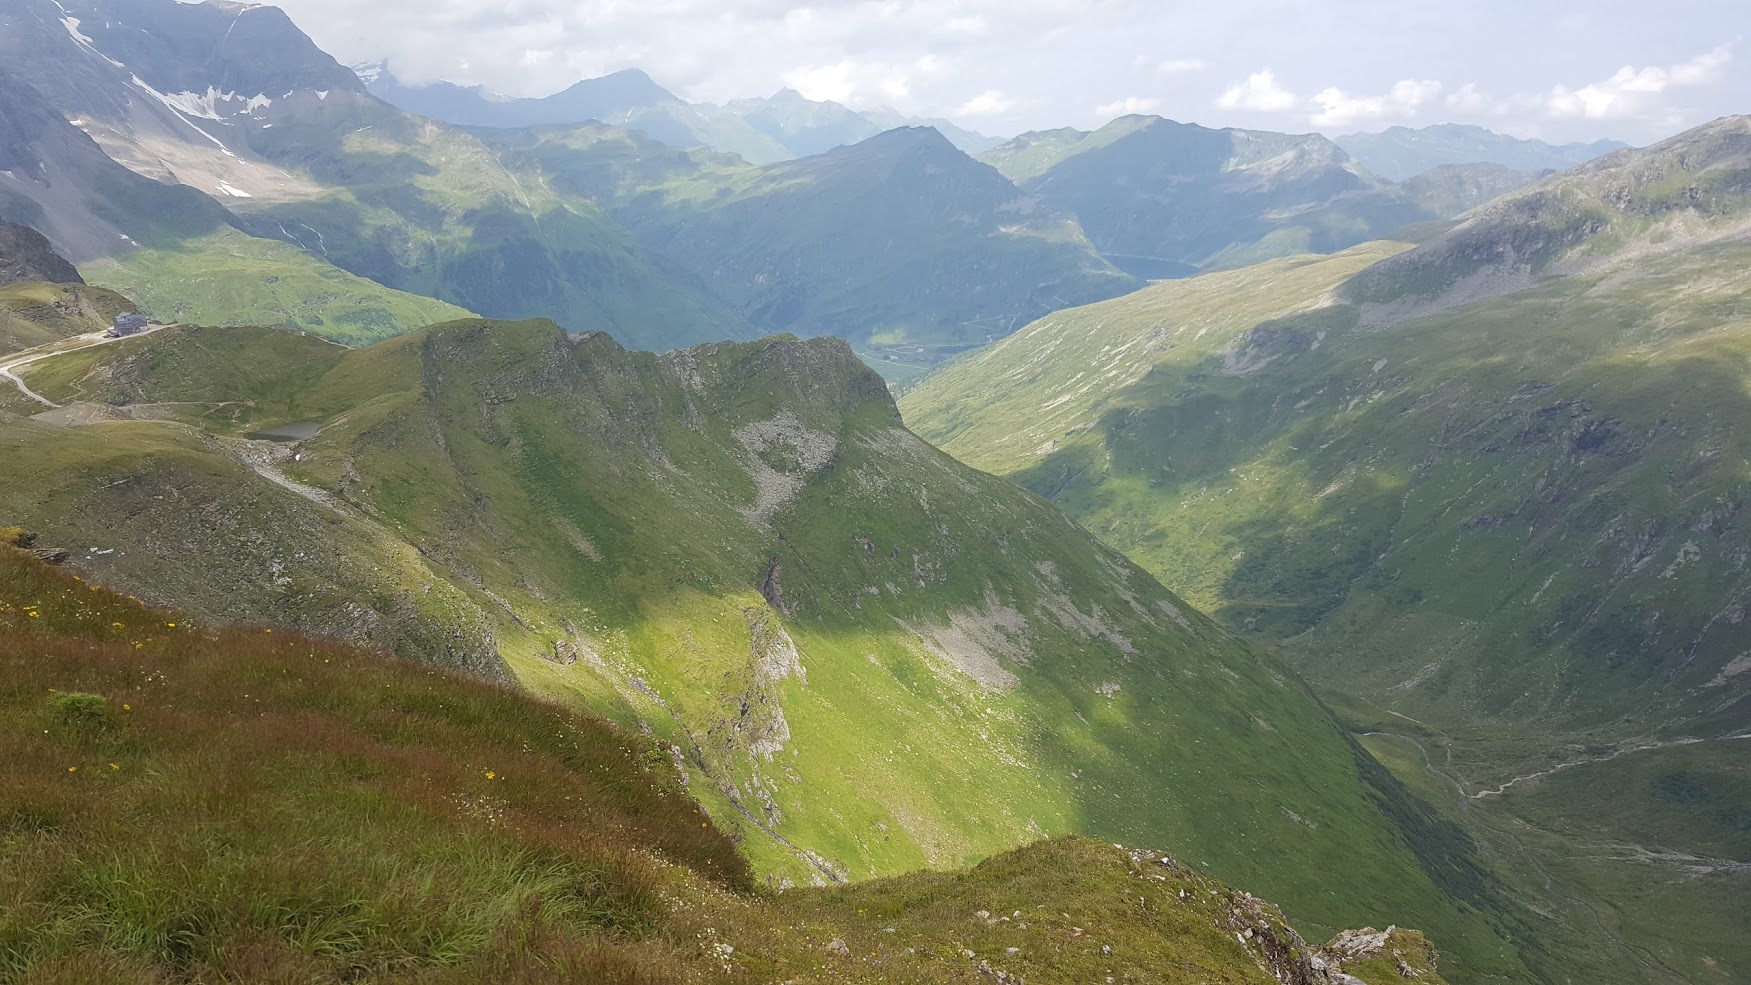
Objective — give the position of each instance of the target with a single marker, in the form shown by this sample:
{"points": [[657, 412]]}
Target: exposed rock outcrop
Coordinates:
{"points": [[25, 255], [1354, 957]]}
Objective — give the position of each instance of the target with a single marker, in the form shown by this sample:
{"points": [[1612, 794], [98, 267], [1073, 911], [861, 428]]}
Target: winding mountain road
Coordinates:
{"points": [[10, 365], [1624, 751]]}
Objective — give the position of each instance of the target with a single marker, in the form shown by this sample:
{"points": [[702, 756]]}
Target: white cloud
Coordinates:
{"points": [[1259, 93], [1631, 92], [1469, 100], [988, 103], [850, 80], [1337, 108], [1704, 68], [1127, 106], [1181, 66]]}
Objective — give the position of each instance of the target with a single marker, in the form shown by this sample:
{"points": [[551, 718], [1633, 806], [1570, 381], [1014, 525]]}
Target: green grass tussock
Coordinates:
{"points": [[222, 802]]}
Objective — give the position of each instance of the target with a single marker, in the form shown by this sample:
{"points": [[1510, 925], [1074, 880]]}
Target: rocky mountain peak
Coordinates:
{"points": [[248, 49]]}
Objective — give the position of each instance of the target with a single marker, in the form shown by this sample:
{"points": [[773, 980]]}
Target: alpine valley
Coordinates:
{"points": [[1484, 492], [454, 538]]}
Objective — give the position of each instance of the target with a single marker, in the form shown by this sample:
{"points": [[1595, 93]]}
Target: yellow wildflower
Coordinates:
{"points": [[114, 767], [491, 775], [171, 625], [72, 769]]}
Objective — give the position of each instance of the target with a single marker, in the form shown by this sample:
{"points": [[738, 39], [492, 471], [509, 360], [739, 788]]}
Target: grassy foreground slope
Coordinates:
{"points": [[186, 803], [868, 657]]}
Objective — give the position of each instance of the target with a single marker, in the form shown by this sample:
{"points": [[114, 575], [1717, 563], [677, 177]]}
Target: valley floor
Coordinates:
{"points": [[1597, 860]]}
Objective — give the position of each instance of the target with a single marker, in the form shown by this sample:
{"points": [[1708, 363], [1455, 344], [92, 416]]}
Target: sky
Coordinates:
{"points": [[1562, 71]]}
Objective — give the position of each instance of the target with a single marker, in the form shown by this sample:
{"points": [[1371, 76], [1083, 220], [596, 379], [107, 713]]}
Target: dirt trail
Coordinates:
{"points": [[6, 371]]}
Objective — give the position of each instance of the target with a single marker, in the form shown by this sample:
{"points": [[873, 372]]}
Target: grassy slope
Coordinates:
{"points": [[228, 278], [33, 314], [1000, 408], [229, 378], [1538, 554], [1520, 517], [586, 500], [1034, 153], [126, 487], [183, 803]]}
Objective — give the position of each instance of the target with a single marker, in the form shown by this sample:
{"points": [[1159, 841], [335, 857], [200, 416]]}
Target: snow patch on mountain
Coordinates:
{"points": [[146, 87], [72, 26], [215, 105], [71, 23]]}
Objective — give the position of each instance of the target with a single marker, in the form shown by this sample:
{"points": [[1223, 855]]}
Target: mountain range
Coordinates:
{"points": [[1483, 491], [326, 178], [759, 130], [377, 210], [491, 643], [1398, 153], [1157, 195], [772, 240]]}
